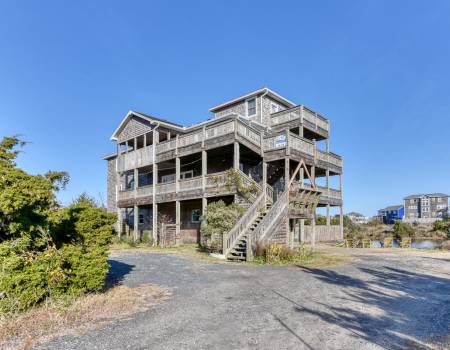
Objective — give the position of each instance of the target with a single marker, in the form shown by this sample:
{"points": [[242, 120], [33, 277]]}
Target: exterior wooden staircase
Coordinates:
{"points": [[239, 250], [261, 221]]}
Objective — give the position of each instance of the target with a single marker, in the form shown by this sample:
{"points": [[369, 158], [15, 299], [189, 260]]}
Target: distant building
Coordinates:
{"points": [[426, 207], [357, 218], [391, 214]]}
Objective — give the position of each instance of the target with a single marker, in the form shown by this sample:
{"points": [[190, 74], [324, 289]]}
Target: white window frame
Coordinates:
{"points": [[168, 178], [247, 108], [184, 173]]}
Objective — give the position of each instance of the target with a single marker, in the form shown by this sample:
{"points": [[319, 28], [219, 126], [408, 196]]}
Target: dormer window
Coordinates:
{"points": [[251, 107]]}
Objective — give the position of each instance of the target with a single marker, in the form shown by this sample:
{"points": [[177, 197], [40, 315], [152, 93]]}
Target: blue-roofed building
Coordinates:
{"points": [[391, 214]]}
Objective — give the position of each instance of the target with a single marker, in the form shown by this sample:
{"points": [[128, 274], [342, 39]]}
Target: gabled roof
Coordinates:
{"points": [[264, 90], [427, 195], [392, 207], [148, 118]]}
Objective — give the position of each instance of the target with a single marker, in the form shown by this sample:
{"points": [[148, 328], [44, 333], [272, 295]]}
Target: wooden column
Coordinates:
{"points": [[177, 216], [328, 215], [302, 230], [155, 206], [204, 170], [286, 171], [136, 223], [313, 174], [264, 179], [236, 156], [328, 193], [204, 173], [119, 222], [313, 226], [177, 174], [136, 179], [155, 183], [341, 221], [286, 184], [204, 205]]}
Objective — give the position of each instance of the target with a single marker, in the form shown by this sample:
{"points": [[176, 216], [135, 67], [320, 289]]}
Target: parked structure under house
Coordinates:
{"points": [[163, 174], [426, 208]]}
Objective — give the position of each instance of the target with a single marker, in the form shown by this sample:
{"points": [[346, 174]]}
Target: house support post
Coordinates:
{"points": [[341, 209], [177, 218], [155, 206], [328, 215], [236, 157], [289, 239], [313, 226], [136, 223], [264, 179]]}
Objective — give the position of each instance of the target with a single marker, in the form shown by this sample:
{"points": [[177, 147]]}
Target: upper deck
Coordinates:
{"points": [[223, 131]]}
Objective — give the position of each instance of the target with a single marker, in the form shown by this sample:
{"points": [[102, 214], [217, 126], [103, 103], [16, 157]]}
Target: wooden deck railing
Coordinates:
{"points": [[310, 118], [135, 159], [191, 184]]}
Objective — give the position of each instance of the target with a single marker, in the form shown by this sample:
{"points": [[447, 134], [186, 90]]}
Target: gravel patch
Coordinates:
{"points": [[379, 301]]}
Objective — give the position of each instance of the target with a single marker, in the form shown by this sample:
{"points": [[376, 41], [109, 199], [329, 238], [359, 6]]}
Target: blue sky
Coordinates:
{"points": [[380, 70]]}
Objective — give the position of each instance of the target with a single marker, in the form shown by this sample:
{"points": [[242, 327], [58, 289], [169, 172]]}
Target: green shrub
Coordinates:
{"points": [[218, 219], [403, 229], [45, 251], [70, 259]]}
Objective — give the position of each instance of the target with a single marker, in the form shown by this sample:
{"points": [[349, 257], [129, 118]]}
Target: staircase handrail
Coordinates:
{"points": [[271, 217], [231, 238]]}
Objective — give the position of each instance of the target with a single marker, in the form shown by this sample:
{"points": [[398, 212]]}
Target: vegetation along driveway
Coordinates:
{"points": [[379, 301]]}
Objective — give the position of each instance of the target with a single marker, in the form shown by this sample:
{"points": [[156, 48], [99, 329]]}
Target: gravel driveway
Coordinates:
{"points": [[379, 301]]}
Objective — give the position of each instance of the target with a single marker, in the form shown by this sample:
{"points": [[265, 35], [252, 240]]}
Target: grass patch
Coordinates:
{"points": [[84, 314], [187, 250], [276, 254]]}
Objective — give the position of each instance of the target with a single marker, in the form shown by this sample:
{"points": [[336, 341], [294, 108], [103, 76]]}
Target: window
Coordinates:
{"points": [[251, 107], [168, 178], [141, 218], [129, 180], [196, 214], [186, 174], [145, 179]]}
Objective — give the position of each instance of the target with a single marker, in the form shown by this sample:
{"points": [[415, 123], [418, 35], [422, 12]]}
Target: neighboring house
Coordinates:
{"points": [[391, 214], [426, 208], [357, 218], [166, 173]]}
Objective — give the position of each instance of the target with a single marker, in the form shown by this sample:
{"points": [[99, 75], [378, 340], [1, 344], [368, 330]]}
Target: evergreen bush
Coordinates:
{"points": [[46, 251]]}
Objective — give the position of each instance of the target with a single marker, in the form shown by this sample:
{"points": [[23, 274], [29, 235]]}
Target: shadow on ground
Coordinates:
{"points": [[117, 272], [413, 305]]}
